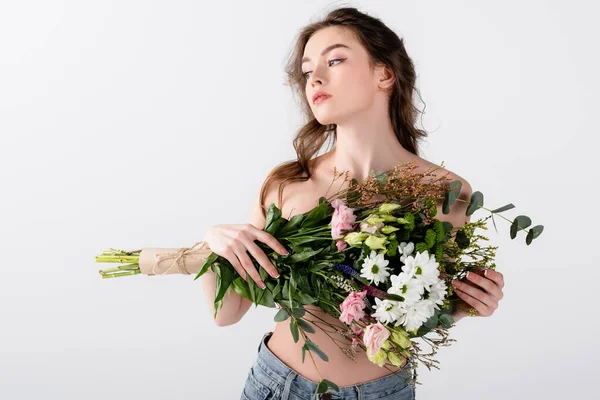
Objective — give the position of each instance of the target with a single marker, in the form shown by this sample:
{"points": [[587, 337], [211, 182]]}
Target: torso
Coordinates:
{"points": [[301, 197]]}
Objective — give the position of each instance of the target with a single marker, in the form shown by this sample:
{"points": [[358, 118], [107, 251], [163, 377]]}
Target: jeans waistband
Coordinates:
{"points": [[279, 372]]}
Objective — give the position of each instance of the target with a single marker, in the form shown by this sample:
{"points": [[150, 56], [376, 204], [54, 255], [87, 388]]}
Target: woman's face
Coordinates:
{"points": [[343, 72]]}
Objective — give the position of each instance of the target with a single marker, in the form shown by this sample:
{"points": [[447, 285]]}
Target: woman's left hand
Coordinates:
{"points": [[478, 291]]}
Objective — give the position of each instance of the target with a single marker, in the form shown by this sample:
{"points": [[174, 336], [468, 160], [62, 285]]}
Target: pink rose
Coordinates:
{"points": [[343, 218], [341, 245], [355, 341], [352, 307], [375, 335]]}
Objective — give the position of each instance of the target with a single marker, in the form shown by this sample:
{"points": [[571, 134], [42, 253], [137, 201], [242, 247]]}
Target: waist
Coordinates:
{"points": [[280, 348]]}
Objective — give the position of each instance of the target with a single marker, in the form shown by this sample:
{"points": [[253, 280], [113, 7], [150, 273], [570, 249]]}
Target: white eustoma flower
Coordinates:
{"points": [[423, 267], [374, 268], [437, 293], [404, 285], [388, 311], [366, 227], [415, 314], [405, 250]]}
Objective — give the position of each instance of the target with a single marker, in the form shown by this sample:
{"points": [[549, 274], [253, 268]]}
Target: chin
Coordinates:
{"points": [[327, 117]]}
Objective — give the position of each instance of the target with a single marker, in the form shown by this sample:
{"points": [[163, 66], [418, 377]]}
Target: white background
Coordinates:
{"points": [[134, 124]]}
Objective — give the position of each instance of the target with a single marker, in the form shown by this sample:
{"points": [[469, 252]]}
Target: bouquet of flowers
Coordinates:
{"points": [[373, 255]]}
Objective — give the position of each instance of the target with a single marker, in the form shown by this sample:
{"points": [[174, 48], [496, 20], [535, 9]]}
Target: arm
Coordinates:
{"points": [[234, 305]]}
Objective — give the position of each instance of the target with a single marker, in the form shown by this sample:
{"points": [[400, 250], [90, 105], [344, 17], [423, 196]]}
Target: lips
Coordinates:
{"points": [[320, 96]]}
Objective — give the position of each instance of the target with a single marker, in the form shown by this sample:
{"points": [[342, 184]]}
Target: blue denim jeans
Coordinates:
{"points": [[269, 379]]}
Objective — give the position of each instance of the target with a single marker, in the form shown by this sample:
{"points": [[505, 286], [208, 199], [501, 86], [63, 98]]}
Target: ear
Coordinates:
{"points": [[386, 78]]}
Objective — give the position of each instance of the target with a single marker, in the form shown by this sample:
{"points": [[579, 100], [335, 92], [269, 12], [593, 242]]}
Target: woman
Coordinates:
{"points": [[356, 82]]}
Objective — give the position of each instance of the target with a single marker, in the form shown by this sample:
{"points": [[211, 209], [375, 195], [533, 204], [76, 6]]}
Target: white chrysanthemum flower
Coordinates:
{"points": [[388, 311], [404, 285], [405, 250], [374, 268], [423, 267], [437, 293], [415, 314]]}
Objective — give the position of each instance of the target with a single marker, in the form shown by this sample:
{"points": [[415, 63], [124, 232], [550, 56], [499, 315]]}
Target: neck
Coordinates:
{"points": [[365, 146]]}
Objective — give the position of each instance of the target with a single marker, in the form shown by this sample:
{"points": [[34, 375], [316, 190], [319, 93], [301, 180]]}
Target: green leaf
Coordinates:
{"points": [[538, 229], [303, 256], [294, 329], [513, 229], [322, 388], [432, 322], [381, 176], [304, 348], [529, 237], [275, 226], [305, 298], [446, 320], [451, 195], [209, 261], [332, 385], [225, 275], [534, 233], [315, 348], [461, 239], [316, 214], [277, 289], [524, 221], [298, 312], [519, 223], [446, 206], [273, 214], [240, 287], [475, 203], [305, 326], [292, 224], [494, 221], [281, 315], [291, 291], [503, 208]]}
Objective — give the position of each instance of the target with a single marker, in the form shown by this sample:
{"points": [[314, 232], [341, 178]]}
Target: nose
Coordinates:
{"points": [[315, 76]]}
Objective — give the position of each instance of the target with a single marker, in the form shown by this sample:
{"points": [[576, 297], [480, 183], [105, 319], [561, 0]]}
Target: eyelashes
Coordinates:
{"points": [[328, 62]]}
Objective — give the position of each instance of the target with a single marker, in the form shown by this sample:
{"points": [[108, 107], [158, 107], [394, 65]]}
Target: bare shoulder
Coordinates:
{"points": [[465, 191], [457, 215]]}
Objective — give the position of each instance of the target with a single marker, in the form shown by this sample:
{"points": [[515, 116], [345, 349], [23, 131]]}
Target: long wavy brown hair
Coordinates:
{"points": [[383, 47]]}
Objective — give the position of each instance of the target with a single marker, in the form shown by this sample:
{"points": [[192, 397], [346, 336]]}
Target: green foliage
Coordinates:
{"points": [[451, 195], [475, 203]]}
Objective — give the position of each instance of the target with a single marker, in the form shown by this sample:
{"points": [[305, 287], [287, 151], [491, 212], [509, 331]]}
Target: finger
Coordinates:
{"points": [[489, 285], [270, 241], [262, 259], [481, 308], [248, 265], [476, 293], [495, 276]]}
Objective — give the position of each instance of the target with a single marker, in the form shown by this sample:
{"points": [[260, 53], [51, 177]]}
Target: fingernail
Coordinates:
{"points": [[262, 285], [456, 283], [278, 275], [485, 273], [468, 274]]}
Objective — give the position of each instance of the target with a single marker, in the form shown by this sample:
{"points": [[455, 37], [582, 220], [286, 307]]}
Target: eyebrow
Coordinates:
{"points": [[327, 49]]}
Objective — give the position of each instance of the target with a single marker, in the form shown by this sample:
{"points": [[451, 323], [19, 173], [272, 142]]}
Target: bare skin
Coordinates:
{"points": [[365, 140], [299, 198]]}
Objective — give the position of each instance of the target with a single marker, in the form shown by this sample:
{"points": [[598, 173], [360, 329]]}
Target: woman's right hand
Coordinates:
{"points": [[233, 241]]}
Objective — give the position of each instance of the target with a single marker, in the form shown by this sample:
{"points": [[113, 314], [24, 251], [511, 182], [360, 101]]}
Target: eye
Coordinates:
{"points": [[330, 61]]}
